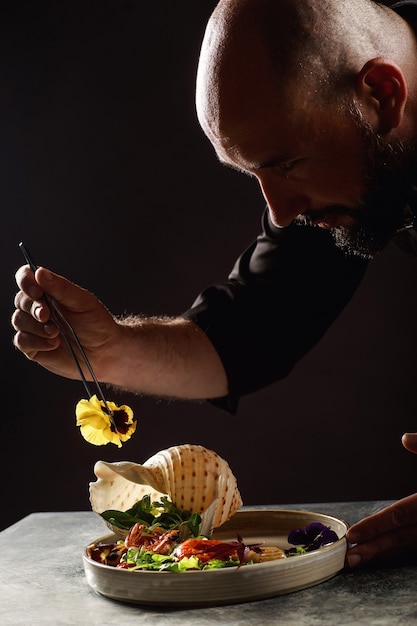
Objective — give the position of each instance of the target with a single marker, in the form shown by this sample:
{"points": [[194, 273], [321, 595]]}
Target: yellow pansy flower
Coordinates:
{"points": [[96, 426]]}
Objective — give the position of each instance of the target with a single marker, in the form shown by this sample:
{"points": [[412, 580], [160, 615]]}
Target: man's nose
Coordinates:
{"points": [[285, 201]]}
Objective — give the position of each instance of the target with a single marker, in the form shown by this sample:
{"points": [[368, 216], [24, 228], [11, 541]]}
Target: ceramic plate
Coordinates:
{"points": [[230, 585]]}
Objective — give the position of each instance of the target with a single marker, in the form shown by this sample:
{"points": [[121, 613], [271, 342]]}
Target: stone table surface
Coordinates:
{"points": [[42, 583]]}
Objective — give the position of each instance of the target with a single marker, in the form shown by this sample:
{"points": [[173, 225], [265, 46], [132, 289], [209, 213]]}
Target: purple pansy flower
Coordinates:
{"points": [[310, 538]]}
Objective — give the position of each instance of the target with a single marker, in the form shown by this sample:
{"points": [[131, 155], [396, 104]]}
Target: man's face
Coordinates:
{"points": [[316, 164], [388, 173]]}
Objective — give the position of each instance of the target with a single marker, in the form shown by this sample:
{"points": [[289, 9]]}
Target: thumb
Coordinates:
{"points": [[64, 292], [409, 441]]}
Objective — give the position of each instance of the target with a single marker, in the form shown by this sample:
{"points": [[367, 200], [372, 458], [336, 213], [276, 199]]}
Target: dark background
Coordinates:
{"points": [[107, 176]]}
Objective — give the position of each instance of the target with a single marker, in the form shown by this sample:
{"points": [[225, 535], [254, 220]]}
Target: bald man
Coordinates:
{"points": [[317, 100]]}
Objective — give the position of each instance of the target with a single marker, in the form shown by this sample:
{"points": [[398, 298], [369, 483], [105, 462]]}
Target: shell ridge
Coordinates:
{"points": [[193, 477]]}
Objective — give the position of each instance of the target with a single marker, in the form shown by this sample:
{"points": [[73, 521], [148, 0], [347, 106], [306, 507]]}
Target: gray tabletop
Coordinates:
{"points": [[42, 582]]}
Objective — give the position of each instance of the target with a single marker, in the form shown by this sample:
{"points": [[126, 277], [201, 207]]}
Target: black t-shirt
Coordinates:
{"points": [[283, 293], [406, 8]]}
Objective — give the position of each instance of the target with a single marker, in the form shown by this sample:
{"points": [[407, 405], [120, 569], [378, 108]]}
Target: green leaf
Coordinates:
{"points": [[121, 519], [163, 514], [219, 564]]}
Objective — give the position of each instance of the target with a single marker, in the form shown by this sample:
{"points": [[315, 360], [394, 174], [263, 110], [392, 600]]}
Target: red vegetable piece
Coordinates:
{"points": [[207, 549]]}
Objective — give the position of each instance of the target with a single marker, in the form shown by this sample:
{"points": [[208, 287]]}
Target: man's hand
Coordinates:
{"points": [[390, 532], [166, 357], [38, 337]]}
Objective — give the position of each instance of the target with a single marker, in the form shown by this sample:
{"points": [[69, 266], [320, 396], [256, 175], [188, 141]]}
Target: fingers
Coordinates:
{"points": [[24, 322], [400, 541], [397, 515], [39, 338], [35, 332], [26, 281], [37, 309], [31, 336], [34, 286], [32, 345], [390, 531], [29, 298], [29, 301], [409, 441], [32, 314]]}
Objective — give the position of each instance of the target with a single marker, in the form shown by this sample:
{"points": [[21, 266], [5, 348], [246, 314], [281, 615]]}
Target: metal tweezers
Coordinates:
{"points": [[65, 327]]}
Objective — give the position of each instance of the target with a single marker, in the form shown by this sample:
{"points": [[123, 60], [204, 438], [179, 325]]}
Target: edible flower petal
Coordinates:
{"points": [[310, 538], [96, 426]]}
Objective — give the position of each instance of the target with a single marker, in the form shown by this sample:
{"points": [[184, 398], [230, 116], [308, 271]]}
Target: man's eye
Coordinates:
{"points": [[286, 167]]}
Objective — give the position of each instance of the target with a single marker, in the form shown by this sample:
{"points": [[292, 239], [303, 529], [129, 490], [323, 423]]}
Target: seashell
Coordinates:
{"points": [[192, 477]]}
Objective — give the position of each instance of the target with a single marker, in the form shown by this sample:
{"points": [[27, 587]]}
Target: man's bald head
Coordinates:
{"points": [[314, 46]]}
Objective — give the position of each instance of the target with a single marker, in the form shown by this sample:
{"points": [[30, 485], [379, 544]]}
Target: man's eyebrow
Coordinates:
{"points": [[274, 162], [232, 166]]}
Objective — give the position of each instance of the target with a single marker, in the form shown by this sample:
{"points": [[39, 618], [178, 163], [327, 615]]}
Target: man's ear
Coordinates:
{"points": [[382, 90]]}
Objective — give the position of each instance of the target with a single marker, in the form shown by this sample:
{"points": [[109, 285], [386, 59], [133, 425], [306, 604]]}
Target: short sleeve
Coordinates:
{"points": [[283, 293]]}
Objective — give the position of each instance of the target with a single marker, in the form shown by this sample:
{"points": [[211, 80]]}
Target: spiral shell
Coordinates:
{"points": [[192, 477]]}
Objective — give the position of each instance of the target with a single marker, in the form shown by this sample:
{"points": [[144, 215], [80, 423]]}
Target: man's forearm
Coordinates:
{"points": [[169, 357]]}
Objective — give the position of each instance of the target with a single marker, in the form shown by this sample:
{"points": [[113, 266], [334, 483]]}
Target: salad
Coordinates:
{"points": [[161, 537]]}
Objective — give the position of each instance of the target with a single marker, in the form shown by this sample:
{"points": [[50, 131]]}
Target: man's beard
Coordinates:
{"points": [[389, 173]]}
